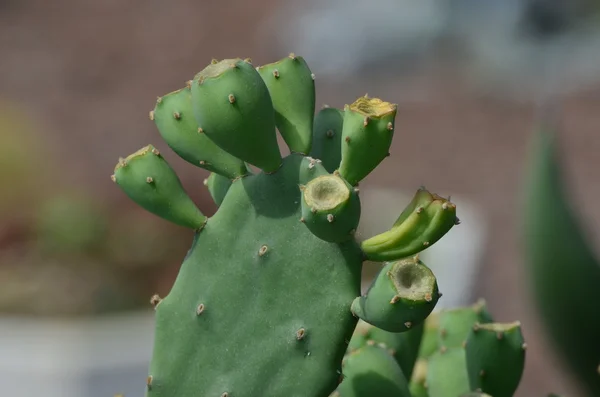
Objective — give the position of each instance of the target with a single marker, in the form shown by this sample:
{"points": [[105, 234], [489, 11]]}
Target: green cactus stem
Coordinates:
{"points": [[366, 137], [426, 219], [371, 371], [174, 118], [327, 137], [233, 107], [147, 178], [218, 186], [401, 297], [447, 374], [292, 89], [455, 324], [418, 381], [429, 341], [495, 355], [330, 208]]}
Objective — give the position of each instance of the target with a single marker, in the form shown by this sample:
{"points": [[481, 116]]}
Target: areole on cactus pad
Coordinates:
{"points": [[263, 303]]}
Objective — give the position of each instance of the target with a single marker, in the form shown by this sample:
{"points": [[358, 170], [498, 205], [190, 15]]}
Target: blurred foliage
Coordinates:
{"points": [[66, 251]]}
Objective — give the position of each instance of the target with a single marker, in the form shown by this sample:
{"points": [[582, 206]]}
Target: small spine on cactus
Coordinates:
{"points": [[372, 371], [447, 373], [402, 295], [495, 358], [330, 208], [218, 186], [426, 219], [232, 106], [367, 135], [292, 88], [455, 324], [147, 178], [327, 137], [175, 121]]}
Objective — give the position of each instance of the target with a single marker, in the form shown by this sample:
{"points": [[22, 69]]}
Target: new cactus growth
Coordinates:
{"points": [[263, 303]]}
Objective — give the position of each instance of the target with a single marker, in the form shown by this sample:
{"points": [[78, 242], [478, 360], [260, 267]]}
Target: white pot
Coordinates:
{"points": [[92, 357], [455, 259]]}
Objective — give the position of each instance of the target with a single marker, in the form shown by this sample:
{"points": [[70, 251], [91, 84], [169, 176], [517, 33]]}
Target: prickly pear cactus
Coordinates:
{"points": [[268, 296]]}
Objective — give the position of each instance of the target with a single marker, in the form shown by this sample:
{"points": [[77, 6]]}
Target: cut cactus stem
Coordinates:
{"points": [[174, 118], [401, 297], [426, 219], [367, 134], [147, 178], [330, 208], [327, 137], [233, 108], [495, 354], [292, 89]]}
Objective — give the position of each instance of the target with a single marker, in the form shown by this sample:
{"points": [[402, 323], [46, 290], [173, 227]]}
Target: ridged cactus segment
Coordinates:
{"points": [[495, 355], [426, 219], [233, 107], [261, 306], [175, 121], [455, 324], [292, 88], [371, 371], [447, 373], [562, 265], [366, 137], [147, 178], [218, 186], [327, 137], [330, 208], [402, 296]]}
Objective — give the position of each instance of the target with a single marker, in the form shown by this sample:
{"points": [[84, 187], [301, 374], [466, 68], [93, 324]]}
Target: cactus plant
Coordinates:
{"points": [[561, 265], [268, 296]]}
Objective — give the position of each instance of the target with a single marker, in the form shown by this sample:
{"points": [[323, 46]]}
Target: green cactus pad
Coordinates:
{"points": [[147, 178], [330, 208], [372, 371], [402, 296], [418, 380], [561, 262], [327, 137], [366, 137], [233, 107], [447, 373], [455, 324], [429, 341], [426, 219], [292, 89], [233, 321], [218, 186], [495, 358], [174, 118]]}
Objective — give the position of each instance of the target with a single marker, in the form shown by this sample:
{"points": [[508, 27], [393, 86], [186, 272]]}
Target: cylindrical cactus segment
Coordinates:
{"points": [[292, 88], [367, 136], [418, 380], [447, 373], [495, 355], [429, 342], [425, 220], [327, 137], [217, 186], [455, 324], [330, 208], [402, 295], [232, 106], [174, 118], [371, 371], [147, 178]]}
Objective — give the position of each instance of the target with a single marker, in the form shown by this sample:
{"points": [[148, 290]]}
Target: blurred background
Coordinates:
{"points": [[79, 261]]}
